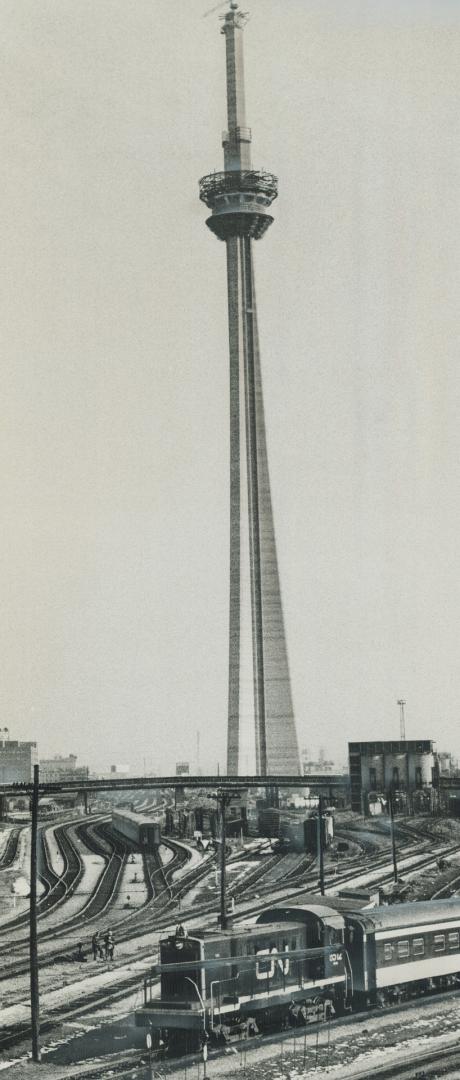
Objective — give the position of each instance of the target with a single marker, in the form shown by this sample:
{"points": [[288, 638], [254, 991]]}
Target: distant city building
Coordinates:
{"points": [[448, 764], [56, 769], [119, 770], [406, 767], [318, 768], [17, 760], [182, 768]]}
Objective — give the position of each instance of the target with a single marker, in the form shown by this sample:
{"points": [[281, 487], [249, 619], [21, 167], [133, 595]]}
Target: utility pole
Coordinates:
{"points": [[402, 722], [223, 797], [320, 844], [392, 828], [34, 988], [223, 906]]}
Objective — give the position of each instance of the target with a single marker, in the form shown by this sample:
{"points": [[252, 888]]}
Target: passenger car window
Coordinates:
{"points": [[439, 942], [388, 952], [418, 946], [453, 939], [403, 948]]}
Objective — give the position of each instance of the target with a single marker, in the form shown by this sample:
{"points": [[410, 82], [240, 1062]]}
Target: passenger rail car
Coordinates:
{"points": [[141, 830], [403, 949], [298, 963]]}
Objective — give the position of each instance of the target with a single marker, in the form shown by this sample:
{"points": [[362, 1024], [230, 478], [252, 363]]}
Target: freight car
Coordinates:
{"points": [[298, 963], [141, 830], [302, 833]]}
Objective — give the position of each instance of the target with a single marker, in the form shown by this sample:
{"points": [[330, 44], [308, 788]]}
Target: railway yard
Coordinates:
{"points": [[94, 879]]}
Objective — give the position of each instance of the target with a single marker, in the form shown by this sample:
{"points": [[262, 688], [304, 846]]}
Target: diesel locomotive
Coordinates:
{"points": [[299, 962]]}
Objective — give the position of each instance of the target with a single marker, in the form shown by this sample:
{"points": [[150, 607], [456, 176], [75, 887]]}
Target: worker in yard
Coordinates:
{"points": [[96, 945], [79, 955], [109, 945]]}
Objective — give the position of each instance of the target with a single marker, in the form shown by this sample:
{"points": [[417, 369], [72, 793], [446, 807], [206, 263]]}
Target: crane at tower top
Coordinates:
{"points": [[233, 7]]}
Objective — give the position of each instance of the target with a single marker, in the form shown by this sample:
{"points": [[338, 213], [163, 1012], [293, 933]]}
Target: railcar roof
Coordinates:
{"points": [[324, 914], [138, 819], [411, 914], [309, 900], [243, 930]]}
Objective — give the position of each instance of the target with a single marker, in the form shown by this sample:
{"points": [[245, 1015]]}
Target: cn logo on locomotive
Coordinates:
{"points": [[266, 968]]}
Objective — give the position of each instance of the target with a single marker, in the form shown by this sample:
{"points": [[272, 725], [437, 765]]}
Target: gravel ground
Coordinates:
{"points": [[348, 1051]]}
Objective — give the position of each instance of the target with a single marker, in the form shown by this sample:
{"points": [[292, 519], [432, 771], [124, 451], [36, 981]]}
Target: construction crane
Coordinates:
{"points": [[217, 6]]}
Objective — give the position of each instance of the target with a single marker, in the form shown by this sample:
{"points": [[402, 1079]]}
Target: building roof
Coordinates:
{"points": [[392, 746]]}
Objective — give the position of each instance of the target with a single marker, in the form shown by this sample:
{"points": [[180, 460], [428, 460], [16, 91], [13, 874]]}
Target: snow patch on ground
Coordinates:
{"points": [[54, 852], [4, 834], [133, 888]]}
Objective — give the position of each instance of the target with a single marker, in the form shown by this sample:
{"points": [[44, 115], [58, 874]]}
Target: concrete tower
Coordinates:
{"points": [[261, 730]]}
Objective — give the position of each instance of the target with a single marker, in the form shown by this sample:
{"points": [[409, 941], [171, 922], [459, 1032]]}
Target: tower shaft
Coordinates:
{"points": [[261, 729], [237, 140]]}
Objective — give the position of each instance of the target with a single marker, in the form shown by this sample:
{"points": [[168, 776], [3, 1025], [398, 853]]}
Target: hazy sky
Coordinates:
{"points": [[114, 375]]}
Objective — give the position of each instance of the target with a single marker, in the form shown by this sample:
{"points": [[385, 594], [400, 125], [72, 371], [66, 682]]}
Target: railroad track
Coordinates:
{"points": [[429, 1063], [160, 916], [57, 888], [126, 928], [10, 1037]]}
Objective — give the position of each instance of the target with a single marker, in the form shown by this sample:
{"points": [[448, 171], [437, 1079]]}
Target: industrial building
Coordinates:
{"points": [[17, 760], [407, 768]]}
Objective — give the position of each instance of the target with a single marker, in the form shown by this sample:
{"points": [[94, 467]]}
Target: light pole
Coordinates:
{"points": [[203, 1012], [402, 721], [392, 827]]}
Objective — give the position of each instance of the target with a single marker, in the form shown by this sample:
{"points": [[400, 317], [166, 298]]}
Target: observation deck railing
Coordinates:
{"points": [[232, 181]]}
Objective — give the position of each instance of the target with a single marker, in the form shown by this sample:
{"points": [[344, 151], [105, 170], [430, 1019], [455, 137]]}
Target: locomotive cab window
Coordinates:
{"points": [[418, 946], [403, 948], [439, 942], [388, 952], [453, 939]]}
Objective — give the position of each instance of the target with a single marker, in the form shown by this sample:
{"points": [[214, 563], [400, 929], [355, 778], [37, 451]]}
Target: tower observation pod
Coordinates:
{"points": [[261, 730]]}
